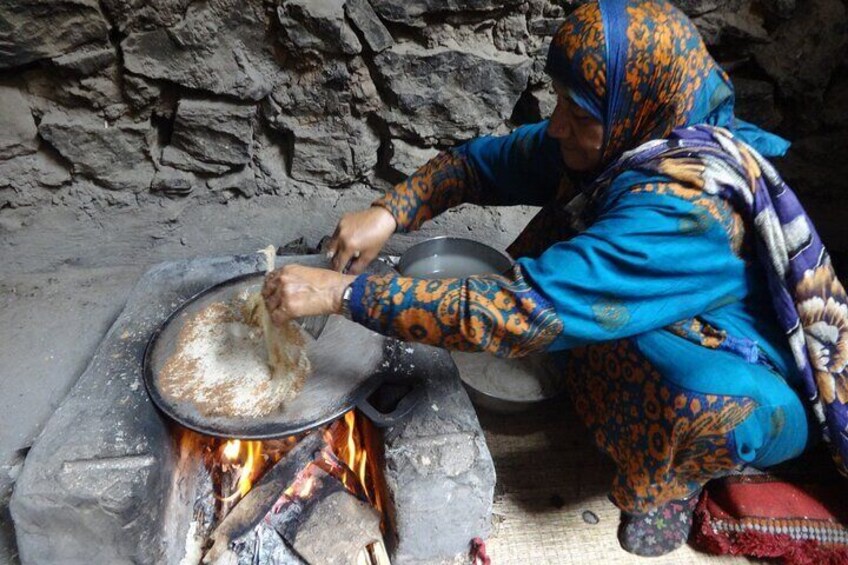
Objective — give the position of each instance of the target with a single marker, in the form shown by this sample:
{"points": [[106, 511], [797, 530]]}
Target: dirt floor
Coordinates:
{"points": [[550, 498]]}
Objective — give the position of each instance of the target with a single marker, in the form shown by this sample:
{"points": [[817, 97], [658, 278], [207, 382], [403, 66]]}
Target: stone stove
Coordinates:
{"points": [[106, 483]]}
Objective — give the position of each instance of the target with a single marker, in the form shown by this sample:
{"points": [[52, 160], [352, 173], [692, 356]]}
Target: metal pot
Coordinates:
{"points": [[452, 257], [466, 257], [537, 370], [496, 404]]}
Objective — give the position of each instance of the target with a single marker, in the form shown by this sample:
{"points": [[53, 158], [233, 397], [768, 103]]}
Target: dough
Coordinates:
{"points": [[230, 360], [285, 348]]}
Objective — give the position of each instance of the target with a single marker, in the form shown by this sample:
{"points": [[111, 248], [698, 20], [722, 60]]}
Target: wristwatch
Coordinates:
{"points": [[345, 309]]}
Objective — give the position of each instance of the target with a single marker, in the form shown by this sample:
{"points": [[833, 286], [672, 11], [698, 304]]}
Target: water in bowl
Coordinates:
{"points": [[448, 266]]}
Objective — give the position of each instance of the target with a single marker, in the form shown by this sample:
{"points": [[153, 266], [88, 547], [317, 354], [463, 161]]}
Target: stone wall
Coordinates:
{"points": [[151, 110]]}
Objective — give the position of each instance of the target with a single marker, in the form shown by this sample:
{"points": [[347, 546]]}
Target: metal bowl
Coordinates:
{"points": [[532, 379], [452, 257], [455, 257]]}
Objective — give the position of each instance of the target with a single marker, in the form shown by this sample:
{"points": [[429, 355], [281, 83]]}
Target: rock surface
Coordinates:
{"points": [[319, 25], [18, 134], [804, 52], [220, 46], [86, 60], [339, 82], [741, 26], [173, 182], [336, 151], [24, 178], [363, 16], [412, 12], [140, 15], [112, 155], [100, 92], [140, 93], [210, 136], [439, 473], [407, 158], [341, 146], [37, 29], [755, 102], [443, 93]]}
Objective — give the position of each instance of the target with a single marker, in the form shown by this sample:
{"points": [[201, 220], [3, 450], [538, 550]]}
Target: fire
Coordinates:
{"points": [[350, 420], [254, 451], [355, 455], [307, 487], [245, 458], [304, 484], [345, 457], [232, 449]]}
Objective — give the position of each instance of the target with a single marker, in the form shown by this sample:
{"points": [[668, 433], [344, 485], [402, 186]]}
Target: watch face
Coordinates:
{"points": [[345, 306]]}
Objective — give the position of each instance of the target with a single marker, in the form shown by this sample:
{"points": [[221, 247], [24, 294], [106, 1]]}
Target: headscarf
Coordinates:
{"points": [[641, 68]]}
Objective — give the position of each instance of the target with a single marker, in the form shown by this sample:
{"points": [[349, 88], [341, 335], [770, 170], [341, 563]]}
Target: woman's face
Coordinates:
{"points": [[580, 135]]}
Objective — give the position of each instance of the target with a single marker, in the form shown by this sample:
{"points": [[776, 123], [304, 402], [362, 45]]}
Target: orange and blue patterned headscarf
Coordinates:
{"points": [[641, 68]]}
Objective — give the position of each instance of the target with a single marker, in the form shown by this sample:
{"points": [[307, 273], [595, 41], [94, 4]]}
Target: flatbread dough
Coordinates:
{"points": [[285, 347], [230, 360]]}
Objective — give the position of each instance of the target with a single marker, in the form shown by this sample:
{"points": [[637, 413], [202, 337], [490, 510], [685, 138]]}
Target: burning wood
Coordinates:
{"points": [[350, 441], [228, 477], [328, 524], [335, 466], [235, 465], [256, 503]]}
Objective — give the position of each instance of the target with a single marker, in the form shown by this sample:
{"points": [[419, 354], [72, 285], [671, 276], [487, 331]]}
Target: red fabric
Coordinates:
{"points": [[765, 496], [478, 552], [732, 509]]}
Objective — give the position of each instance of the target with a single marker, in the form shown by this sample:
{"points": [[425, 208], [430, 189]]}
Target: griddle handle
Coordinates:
{"points": [[403, 406]]}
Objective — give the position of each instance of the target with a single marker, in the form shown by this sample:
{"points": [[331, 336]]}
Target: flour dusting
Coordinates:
{"points": [[221, 362]]}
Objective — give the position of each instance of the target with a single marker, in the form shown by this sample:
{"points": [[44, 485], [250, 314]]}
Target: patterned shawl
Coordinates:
{"points": [[810, 303]]}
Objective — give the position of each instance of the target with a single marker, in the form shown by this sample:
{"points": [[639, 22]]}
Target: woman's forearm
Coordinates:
{"points": [[522, 167], [502, 315], [444, 182]]}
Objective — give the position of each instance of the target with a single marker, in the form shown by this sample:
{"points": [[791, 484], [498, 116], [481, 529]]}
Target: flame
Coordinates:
{"points": [[254, 450], [344, 456], [307, 487], [350, 420], [361, 472], [357, 455], [246, 463], [303, 485], [232, 449]]}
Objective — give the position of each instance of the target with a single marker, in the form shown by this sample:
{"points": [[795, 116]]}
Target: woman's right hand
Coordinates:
{"points": [[359, 238]]}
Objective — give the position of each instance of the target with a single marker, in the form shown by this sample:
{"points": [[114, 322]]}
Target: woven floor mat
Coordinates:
{"points": [[550, 499]]}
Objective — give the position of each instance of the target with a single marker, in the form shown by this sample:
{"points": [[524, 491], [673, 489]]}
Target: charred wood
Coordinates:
{"points": [[256, 503]]}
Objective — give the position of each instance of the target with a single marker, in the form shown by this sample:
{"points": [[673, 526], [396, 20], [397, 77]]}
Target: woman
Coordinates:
{"points": [[680, 283]]}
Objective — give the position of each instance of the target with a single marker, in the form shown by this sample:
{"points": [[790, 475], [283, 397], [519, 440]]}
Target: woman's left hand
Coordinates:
{"points": [[295, 291]]}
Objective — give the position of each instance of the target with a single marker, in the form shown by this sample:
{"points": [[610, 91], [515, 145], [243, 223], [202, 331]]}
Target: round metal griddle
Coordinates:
{"points": [[346, 359]]}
